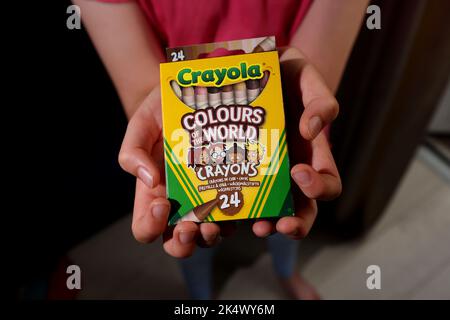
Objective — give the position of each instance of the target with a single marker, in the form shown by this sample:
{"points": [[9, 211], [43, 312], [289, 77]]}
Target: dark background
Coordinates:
{"points": [[65, 129]]}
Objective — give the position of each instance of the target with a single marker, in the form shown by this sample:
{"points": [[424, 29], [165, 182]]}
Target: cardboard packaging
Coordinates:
{"points": [[224, 132]]}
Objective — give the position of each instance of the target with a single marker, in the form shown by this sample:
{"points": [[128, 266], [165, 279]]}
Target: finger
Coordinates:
{"points": [[321, 180], [210, 234], [263, 228], [142, 134], [318, 113], [321, 107], [150, 214], [298, 227], [315, 185], [180, 242]]}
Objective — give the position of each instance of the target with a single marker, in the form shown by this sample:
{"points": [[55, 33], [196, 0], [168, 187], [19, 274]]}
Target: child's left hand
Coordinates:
{"points": [[314, 169]]}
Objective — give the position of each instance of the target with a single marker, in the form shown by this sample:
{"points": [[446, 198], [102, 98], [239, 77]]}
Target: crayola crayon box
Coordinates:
{"points": [[224, 132]]}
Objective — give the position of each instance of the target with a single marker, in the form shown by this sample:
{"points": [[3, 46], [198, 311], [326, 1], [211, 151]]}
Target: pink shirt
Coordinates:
{"points": [[181, 22]]}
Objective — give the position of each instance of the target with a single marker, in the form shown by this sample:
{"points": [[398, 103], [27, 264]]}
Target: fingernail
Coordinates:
{"points": [[159, 211], [315, 126], [145, 176], [186, 237], [303, 178]]}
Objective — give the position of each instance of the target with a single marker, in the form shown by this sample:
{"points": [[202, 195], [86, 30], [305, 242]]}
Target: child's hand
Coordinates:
{"points": [[142, 155], [314, 170]]}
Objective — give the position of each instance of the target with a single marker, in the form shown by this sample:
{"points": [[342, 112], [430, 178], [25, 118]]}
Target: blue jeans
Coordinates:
{"points": [[197, 269]]}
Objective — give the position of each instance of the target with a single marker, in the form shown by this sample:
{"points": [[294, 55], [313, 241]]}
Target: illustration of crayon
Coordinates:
{"points": [[240, 93], [227, 95], [201, 97], [187, 95], [214, 97], [199, 213]]}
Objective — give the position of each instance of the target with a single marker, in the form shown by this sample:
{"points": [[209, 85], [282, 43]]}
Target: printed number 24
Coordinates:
{"points": [[177, 55], [234, 200]]}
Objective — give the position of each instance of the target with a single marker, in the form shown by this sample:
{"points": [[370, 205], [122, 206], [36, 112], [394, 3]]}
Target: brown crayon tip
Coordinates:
{"points": [[203, 210], [213, 89], [240, 86], [227, 88], [252, 84], [258, 49], [268, 44], [264, 79]]}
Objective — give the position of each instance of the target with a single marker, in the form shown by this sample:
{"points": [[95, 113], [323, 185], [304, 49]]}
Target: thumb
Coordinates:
{"points": [[138, 162], [143, 132]]}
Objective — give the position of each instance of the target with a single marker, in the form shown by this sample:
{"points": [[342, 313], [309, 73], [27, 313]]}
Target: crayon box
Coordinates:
{"points": [[224, 132]]}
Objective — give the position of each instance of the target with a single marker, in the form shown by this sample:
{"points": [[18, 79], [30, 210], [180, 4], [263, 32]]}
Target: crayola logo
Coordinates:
{"points": [[216, 77]]}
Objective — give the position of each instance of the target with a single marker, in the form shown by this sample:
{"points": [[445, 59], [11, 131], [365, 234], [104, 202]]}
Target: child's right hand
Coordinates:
{"points": [[142, 155]]}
